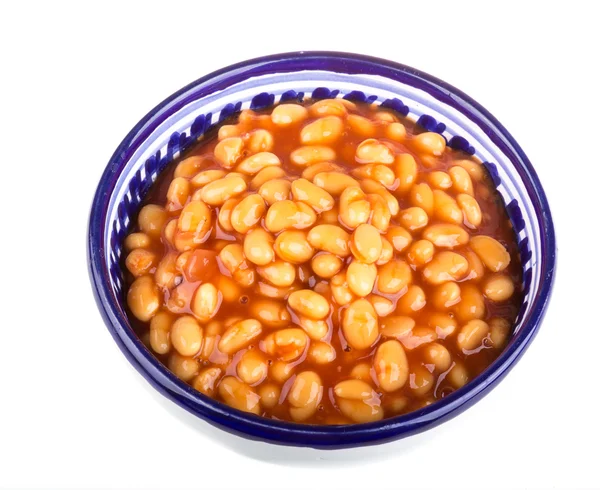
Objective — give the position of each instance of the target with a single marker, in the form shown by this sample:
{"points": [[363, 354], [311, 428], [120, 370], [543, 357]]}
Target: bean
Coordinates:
{"points": [[228, 131], [160, 332], [421, 195], [399, 238], [413, 218], [308, 303], [185, 368], [440, 180], [461, 180], [438, 356], [420, 380], [224, 214], [178, 193], [444, 325], [228, 151], [361, 125], [361, 277], [306, 156], [152, 219], [229, 288], [326, 265], [383, 306], [471, 335], [329, 238], [378, 172], [333, 182], [475, 169], [373, 151], [405, 168], [394, 276], [257, 162], [395, 403], [391, 365], [411, 301], [445, 295], [206, 177], [366, 244], [354, 389], [265, 175], [287, 344], [281, 371], [293, 246], [380, 213], [305, 395], [206, 302], [471, 305], [232, 257], [499, 331], [211, 332], [328, 107], [259, 140], [140, 261], [339, 289], [420, 253], [498, 287], [283, 215], [310, 172], [429, 143], [258, 247], [321, 353], [274, 292], [361, 371], [317, 198], [136, 240], [323, 131], [219, 191], [354, 207], [252, 367], [395, 131], [387, 252], [189, 167], [445, 266], [278, 273], [446, 209], [446, 235], [285, 115], [371, 187], [491, 252], [186, 336], [418, 336], [239, 395], [359, 401], [239, 335], [207, 380], [458, 376], [247, 213], [471, 211], [360, 324], [385, 116], [143, 298], [269, 395], [270, 312]]}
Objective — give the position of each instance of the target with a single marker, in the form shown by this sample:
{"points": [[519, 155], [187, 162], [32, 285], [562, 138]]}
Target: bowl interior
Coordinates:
{"points": [[176, 124]]}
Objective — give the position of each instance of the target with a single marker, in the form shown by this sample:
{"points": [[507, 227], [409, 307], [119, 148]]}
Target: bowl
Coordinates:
{"points": [[176, 123]]}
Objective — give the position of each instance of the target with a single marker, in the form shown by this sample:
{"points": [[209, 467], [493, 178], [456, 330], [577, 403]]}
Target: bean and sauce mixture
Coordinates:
{"points": [[324, 263]]}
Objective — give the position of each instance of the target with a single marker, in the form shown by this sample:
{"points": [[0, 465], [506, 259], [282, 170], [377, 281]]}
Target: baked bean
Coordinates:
{"points": [[371, 187], [305, 395], [317, 198], [387, 251], [287, 344], [445, 266], [458, 375], [309, 304], [259, 247], [446, 235], [360, 325], [420, 380], [411, 301], [186, 336], [224, 216], [219, 191], [322, 131], [321, 353], [259, 140], [257, 162], [306, 156], [270, 312], [421, 195], [239, 395], [445, 295], [440, 180], [438, 356], [413, 218], [269, 394], [366, 244], [326, 265], [178, 193], [383, 306], [498, 287], [446, 209], [228, 131], [476, 269], [399, 238], [405, 168], [499, 331], [354, 207], [189, 167], [283, 215], [361, 125], [247, 213], [358, 401], [143, 298], [329, 217], [461, 180], [395, 131], [475, 169], [361, 277], [229, 150], [394, 276], [185, 368], [265, 175], [333, 182], [491, 252], [206, 177], [310, 172], [339, 289], [391, 365], [206, 302], [288, 114], [380, 213], [429, 144], [395, 403], [239, 335], [471, 305], [378, 172], [420, 252], [444, 325], [207, 380], [152, 219], [278, 273], [232, 257], [140, 261], [136, 240], [160, 332], [330, 238], [293, 246], [471, 335], [281, 371], [373, 151], [252, 367], [328, 107], [397, 327], [274, 292], [471, 210], [229, 288]]}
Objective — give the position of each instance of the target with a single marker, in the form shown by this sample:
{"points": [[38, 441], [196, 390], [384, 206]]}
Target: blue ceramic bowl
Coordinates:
{"points": [[177, 122]]}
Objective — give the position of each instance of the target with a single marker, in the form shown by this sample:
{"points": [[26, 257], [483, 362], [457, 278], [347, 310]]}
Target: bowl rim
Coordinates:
{"points": [[320, 436]]}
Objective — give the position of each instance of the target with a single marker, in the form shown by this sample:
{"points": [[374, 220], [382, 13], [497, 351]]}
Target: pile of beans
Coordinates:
{"points": [[324, 263]]}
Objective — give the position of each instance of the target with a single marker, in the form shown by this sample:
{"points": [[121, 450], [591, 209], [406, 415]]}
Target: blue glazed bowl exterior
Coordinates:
{"points": [[176, 123]]}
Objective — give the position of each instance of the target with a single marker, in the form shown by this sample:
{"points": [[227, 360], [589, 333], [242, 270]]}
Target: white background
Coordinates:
{"points": [[75, 78]]}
